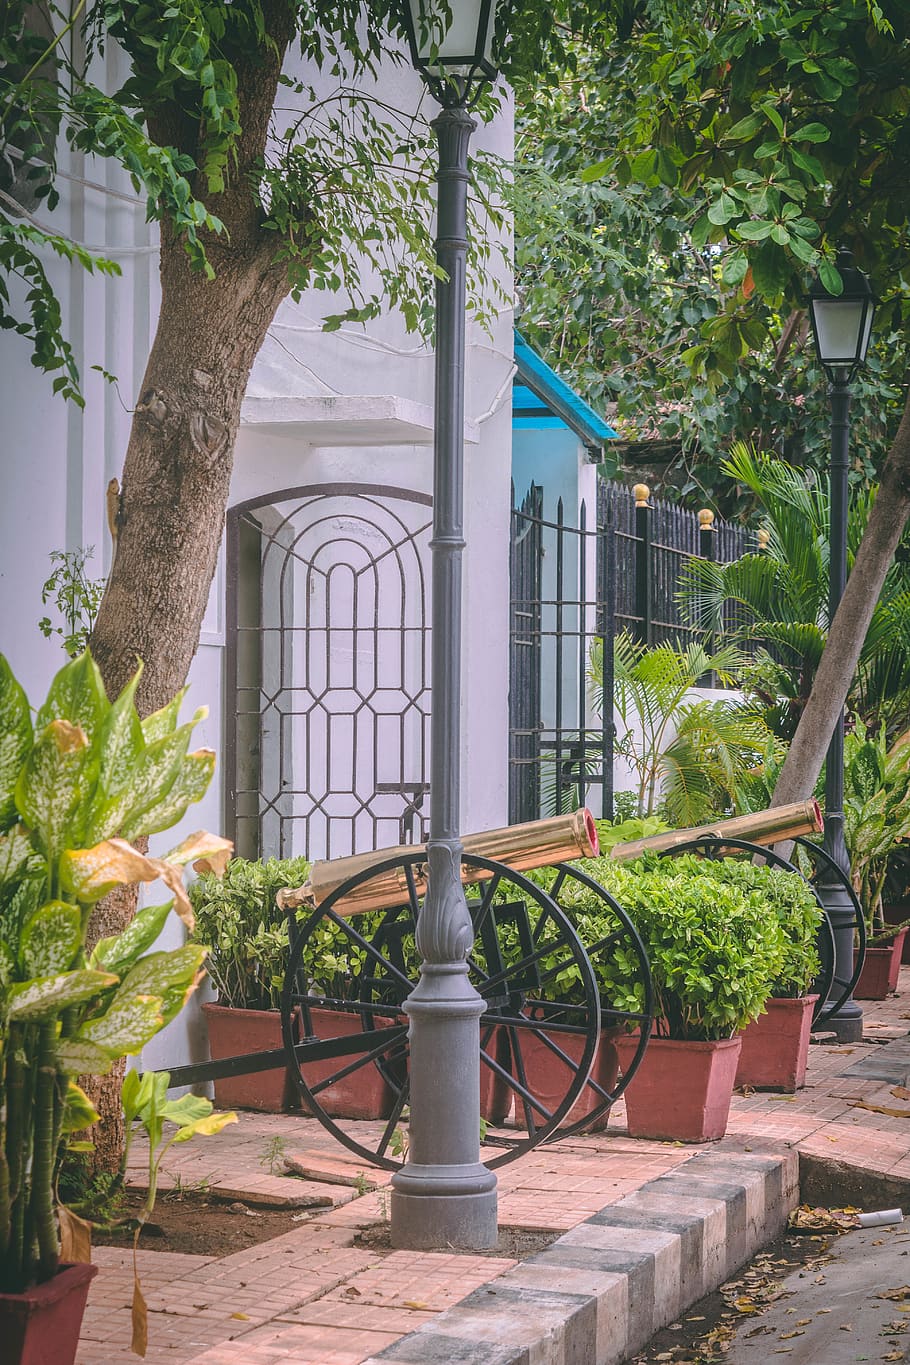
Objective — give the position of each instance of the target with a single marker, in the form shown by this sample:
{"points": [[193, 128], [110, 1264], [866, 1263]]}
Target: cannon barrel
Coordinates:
{"points": [[773, 826], [521, 847]]}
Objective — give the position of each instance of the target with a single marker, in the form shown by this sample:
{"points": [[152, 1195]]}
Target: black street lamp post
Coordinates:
{"points": [[444, 1195], [841, 326]]}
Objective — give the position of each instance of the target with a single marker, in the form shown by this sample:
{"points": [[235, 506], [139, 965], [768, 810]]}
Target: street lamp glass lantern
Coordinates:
{"points": [[842, 323], [451, 41]]}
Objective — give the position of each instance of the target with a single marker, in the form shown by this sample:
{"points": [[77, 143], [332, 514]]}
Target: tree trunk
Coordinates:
{"points": [[847, 632], [177, 471]]}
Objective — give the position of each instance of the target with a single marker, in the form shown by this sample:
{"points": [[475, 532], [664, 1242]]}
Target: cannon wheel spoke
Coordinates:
{"points": [[377, 968]]}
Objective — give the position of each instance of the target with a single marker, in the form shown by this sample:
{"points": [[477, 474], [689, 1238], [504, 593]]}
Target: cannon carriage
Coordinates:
{"points": [[544, 934]]}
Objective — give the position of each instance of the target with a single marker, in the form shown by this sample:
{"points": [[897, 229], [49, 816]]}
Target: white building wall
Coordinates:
{"points": [[57, 461]]}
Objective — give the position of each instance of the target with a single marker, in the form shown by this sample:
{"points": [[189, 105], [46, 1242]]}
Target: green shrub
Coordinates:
{"points": [[246, 933], [783, 894], [714, 952], [613, 832]]}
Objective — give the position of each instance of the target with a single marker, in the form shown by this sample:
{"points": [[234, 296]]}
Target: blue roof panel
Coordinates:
{"points": [[539, 389]]}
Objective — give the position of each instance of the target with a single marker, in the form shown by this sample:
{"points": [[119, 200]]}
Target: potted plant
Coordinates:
{"points": [[247, 936], [714, 953], [76, 787], [876, 820], [775, 1046]]}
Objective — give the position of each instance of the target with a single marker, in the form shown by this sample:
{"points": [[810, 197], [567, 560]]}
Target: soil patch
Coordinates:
{"points": [[702, 1335], [200, 1225]]}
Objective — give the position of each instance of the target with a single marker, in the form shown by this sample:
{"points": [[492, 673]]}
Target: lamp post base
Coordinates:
{"points": [[444, 1195], [431, 1222], [847, 1024]]}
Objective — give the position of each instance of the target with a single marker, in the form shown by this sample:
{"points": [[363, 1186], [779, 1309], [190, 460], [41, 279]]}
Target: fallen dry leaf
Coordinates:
{"points": [[894, 1355], [806, 1219], [803, 1322], [785, 1336], [882, 1109], [414, 1303], [903, 1292], [900, 1092], [241, 1317], [846, 1326]]}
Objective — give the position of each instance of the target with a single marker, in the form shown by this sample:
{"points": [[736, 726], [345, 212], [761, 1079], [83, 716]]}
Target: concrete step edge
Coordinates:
{"points": [[600, 1292]]}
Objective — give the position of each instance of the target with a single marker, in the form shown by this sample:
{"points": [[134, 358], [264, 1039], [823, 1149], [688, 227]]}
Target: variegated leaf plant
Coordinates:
{"points": [[78, 786]]}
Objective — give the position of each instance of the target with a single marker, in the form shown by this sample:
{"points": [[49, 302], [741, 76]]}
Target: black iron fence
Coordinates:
{"points": [[654, 539], [574, 585]]}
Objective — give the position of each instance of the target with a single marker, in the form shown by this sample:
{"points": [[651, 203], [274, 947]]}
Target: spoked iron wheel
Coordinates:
{"points": [[587, 904], [347, 1037], [716, 848], [841, 987]]}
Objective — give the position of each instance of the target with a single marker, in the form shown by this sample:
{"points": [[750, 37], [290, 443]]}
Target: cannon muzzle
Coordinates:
{"points": [[773, 826]]}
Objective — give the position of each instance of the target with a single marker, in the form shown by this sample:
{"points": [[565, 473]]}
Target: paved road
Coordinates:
{"points": [[842, 1319]]}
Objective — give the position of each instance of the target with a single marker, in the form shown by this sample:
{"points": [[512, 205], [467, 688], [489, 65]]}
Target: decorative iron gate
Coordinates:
{"points": [[328, 671], [560, 752], [572, 587]]}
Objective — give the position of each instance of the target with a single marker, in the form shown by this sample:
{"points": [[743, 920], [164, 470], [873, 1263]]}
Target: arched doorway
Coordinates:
{"points": [[327, 670]]}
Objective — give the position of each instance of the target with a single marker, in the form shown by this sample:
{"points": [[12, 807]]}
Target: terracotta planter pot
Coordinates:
{"points": [[896, 914], [365, 1093], [41, 1326], [233, 1032], [682, 1091], [775, 1046], [881, 970], [549, 1076]]}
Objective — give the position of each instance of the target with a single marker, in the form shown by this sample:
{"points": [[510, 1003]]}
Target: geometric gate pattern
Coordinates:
{"points": [[327, 662]]}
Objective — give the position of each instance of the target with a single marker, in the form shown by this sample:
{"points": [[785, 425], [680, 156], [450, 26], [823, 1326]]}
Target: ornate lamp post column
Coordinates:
{"points": [[444, 1195], [841, 326]]}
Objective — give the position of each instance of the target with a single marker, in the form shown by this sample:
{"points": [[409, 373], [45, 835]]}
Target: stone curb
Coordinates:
{"points": [[601, 1291], [827, 1181]]}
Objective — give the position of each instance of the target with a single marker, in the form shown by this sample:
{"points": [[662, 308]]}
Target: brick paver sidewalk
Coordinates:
{"points": [[311, 1297]]}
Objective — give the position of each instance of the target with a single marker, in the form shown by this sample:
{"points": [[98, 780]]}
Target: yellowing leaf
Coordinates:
{"points": [[68, 738], [78, 1110], [211, 848], [241, 1317], [140, 1316], [206, 1127], [172, 877], [93, 872], [75, 1236]]}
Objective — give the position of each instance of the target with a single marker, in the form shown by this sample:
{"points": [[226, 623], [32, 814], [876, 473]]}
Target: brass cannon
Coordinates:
{"points": [[537, 977]]}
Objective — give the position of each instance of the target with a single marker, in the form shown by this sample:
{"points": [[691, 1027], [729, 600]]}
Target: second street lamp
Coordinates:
{"points": [[841, 327], [444, 1195]]}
